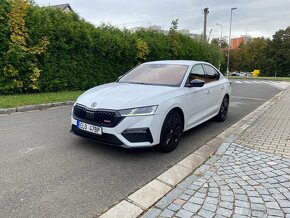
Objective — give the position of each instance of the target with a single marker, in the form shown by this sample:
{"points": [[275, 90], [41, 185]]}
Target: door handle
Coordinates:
{"points": [[208, 92], [222, 87]]}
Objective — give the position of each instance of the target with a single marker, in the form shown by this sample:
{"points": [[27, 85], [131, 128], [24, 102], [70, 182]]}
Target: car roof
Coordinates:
{"points": [[179, 62]]}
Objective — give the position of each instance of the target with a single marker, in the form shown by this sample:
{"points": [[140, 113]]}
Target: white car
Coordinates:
{"points": [[153, 104]]}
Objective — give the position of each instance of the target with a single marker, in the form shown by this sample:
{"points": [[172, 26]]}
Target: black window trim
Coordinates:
{"points": [[217, 72], [187, 80]]}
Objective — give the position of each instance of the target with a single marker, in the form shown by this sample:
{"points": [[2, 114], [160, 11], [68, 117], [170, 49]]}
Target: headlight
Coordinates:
{"points": [[140, 111]]}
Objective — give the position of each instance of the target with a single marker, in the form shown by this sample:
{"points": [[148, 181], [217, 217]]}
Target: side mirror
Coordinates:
{"points": [[217, 76], [196, 83]]}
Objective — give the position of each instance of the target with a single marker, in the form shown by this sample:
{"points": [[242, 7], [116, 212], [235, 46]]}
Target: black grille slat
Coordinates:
{"points": [[97, 117]]}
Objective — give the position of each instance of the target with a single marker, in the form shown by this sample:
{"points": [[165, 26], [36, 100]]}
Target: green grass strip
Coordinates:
{"points": [[286, 79], [10, 101]]}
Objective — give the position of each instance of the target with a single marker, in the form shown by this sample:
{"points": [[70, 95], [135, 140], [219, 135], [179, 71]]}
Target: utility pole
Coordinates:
{"points": [[205, 13]]}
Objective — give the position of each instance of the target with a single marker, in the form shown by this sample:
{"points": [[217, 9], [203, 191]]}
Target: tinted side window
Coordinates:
{"points": [[196, 73], [211, 73]]}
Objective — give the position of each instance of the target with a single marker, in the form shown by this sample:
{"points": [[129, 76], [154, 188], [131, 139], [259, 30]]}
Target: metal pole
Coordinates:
{"points": [[206, 11], [229, 46], [220, 43]]}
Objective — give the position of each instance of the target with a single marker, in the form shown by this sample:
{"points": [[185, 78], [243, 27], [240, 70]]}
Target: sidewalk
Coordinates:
{"points": [[249, 175]]}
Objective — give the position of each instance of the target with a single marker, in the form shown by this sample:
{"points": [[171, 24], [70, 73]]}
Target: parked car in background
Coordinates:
{"points": [[239, 74], [235, 74], [152, 105]]}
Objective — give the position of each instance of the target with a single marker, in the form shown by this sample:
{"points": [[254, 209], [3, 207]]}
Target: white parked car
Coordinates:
{"points": [[153, 104]]}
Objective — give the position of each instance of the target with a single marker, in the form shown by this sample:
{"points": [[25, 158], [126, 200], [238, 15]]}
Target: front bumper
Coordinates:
{"points": [[131, 132]]}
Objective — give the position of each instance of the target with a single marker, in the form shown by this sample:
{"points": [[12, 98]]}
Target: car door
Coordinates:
{"points": [[213, 88], [197, 98]]}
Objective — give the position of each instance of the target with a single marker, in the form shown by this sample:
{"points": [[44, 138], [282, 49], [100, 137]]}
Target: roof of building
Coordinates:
{"points": [[62, 7]]}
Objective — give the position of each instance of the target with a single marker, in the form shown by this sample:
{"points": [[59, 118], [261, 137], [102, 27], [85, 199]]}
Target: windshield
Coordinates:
{"points": [[156, 74]]}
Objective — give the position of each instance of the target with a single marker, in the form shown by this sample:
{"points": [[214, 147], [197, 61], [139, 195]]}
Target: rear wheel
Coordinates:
{"points": [[171, 132], [223, 112]]}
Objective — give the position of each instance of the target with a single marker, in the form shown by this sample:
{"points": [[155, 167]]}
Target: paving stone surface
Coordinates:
{"points": [[240, 182], [271, 132]]}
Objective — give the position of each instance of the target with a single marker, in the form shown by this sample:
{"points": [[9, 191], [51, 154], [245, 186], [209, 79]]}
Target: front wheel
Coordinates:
{"points": [[171, 132], [223, 112]]}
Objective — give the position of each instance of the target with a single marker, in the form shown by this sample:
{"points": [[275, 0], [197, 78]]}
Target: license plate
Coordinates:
{"points": [[89, 128]]}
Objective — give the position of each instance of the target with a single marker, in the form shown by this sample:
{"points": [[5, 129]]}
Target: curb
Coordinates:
{"points": [[35, 107], [141, 200]]}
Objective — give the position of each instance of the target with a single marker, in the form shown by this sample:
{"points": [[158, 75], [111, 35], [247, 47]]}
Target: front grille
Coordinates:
{"points": [[106, 118]]}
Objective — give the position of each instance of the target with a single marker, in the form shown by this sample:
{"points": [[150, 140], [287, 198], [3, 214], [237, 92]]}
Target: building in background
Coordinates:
{"points": [[159, 29], [184, 31], [236, 42], [135, 29], [64, 7], [155, 27]]}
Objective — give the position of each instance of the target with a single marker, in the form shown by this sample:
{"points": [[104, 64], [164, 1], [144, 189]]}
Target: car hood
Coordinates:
{"points": [[125, 95]]}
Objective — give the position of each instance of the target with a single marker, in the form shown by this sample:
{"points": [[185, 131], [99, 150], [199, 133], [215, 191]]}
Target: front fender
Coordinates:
{"points": [[166, 107]]}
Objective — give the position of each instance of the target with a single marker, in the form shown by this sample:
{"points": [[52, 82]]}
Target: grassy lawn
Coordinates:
{"points": [[9, 101], [286, 79]]}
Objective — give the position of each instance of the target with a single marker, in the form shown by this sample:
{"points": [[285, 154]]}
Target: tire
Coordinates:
{"points": [[223, 112], [171, 132]]}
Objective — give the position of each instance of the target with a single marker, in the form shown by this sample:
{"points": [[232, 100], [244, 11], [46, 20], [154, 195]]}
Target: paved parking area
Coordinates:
{"points": [[237, 181]]}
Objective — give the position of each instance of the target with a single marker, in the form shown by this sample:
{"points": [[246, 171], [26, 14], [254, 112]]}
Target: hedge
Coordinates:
{"points": [[80, 55]]}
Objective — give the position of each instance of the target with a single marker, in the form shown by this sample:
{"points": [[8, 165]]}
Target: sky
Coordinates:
{"points": [[257, 18]]}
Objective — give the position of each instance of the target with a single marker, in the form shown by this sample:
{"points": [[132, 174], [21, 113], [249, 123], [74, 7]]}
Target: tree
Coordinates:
{"points": [[256, 54], [20, 72], [4, 31], [142, 50], [220, 43], [278, 54], [249, 56], [173, 43]]}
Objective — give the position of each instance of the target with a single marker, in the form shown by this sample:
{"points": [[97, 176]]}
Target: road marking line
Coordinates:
{"points": [[28, 150], [267, 82], [274, 82]]}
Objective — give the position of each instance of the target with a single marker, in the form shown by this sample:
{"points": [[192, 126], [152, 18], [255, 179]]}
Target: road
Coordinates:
{"points": [[47, 172]]}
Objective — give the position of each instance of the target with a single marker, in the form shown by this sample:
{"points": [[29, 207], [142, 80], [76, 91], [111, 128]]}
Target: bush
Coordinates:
{"points": [[20, 71]]}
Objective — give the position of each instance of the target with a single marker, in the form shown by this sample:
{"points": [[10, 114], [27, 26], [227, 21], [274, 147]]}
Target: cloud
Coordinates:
{"points": [[257, 18]]}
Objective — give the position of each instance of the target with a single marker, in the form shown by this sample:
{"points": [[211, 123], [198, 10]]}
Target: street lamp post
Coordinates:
{"points": [[220, 43], [229, 46]]}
